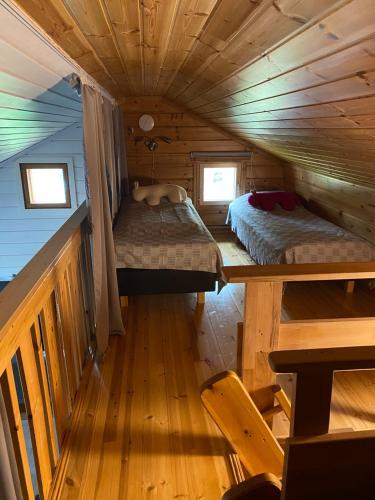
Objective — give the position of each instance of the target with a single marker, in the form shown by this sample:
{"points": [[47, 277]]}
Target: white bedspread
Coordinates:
{"points": [[294, 237], [168, 236]]}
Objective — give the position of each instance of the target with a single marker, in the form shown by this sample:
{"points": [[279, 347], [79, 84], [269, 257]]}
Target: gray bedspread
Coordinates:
{"points": [[294, 237], [168, 236]]}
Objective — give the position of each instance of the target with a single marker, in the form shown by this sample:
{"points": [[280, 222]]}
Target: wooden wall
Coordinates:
{"points": [[347, 204], [23, 232], [173, 163], [294, 77]]}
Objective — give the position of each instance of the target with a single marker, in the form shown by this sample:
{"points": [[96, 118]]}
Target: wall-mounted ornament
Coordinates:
{"points": [[152, 142], [146, 123]]}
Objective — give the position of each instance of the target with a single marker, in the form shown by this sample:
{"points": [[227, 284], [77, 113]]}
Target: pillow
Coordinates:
{"points": [[267, 200], [153, 193]]}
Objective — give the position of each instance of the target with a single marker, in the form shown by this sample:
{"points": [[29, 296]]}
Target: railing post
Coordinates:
{"points": [[262, 314]]}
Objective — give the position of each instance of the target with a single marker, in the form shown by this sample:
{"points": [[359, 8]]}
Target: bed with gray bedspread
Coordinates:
{"points": [[167, 236], [294, 237]]}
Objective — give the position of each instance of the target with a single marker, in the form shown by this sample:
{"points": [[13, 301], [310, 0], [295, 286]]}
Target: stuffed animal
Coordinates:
{"points": [[152, 194]]}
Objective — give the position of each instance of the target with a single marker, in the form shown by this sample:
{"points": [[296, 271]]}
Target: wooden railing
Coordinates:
{"points": [[263, 331], [46, 323]]}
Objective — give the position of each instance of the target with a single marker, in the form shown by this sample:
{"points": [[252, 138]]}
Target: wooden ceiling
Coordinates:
{"points": [[297, 77]]}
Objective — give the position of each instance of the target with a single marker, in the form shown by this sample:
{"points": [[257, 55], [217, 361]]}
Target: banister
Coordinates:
{"points": [[300, 272], [46, 324], [312, 381], [22, 290], [327, 359]]}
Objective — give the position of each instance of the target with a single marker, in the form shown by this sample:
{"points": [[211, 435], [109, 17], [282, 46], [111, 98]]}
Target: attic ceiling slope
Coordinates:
{"points": [[35, 100], [297, 77]]}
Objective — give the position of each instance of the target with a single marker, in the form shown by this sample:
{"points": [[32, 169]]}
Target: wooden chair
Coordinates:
{"points": [[317, 465], [239, 419]]}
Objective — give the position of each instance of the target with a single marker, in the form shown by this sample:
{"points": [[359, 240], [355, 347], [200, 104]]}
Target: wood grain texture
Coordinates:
{"points": [[237, 416], [294, 77], [262, 313], [44, 330], [347, 204], [140, 431], [189, 132], [9, 392]]}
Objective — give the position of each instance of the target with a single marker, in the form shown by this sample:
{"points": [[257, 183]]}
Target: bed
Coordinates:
{"points": [[164, 249], [293, 237]]}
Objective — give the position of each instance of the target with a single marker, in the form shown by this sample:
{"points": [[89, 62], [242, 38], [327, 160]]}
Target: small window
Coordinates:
{"points": [[45, 185], [219, 183]]}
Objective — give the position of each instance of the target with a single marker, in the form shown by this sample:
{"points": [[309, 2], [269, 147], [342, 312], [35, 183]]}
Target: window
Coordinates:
{"points": [[45, 185], [219, 182]]}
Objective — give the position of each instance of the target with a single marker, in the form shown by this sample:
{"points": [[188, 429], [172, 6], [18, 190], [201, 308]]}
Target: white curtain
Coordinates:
{"points": [[103, 177], [123, 183]]}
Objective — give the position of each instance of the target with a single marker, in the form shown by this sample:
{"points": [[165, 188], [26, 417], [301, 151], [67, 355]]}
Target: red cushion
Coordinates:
{"points": [[267, 200]]}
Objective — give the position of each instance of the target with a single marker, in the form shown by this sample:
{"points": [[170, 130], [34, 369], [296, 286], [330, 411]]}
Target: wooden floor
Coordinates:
{"points": [[141, 432]]}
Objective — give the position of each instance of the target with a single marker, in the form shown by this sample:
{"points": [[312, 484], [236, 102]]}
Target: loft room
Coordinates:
{"points": [[187, 260]]}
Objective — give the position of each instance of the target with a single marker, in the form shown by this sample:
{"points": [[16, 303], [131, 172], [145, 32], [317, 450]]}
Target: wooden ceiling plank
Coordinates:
{"points": [[367, 163], [114, 37], [231, 19], [350, 108], [346, 89], [364, 144], [340, 133], [358, 59], [125, 18], [322, 123], [269, 28], [90, 19], [291, 52], [191, 18], [158, 19], [347, 155]]}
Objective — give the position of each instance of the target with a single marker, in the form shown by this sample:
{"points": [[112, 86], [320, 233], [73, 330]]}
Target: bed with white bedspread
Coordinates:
{"points": [[294, 237]]}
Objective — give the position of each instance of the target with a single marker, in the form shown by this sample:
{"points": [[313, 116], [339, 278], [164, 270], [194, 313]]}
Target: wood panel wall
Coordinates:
{"points": [[347, 204], [294, 77], [173, 163]]}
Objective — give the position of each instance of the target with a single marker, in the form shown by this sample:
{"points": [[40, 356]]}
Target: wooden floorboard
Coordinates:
{"points": [[142, 432]]}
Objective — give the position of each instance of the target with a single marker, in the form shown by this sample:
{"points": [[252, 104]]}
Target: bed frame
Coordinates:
{"points": [[157, 281]]}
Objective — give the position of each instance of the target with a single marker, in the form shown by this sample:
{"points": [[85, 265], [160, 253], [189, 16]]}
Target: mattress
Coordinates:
{"points": [[168, 236], [294, 237]]}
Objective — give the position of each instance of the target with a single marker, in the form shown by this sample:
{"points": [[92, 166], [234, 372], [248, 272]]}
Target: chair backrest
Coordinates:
{"points": [[318, 464], [330, 466], [239, 419]]}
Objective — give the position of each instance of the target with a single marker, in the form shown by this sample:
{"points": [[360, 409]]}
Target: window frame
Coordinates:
{"points": [[219, 164], [48, 166]]}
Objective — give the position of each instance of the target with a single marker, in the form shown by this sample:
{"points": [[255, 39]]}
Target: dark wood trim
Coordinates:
{"points": [[156, 281]]}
